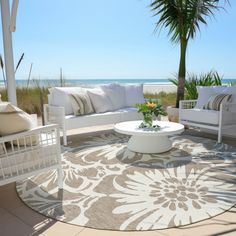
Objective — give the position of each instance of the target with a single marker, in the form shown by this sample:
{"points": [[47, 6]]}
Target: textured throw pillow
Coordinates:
{"points": [[116, 93], [216, 100], [13, 119], [60, 96], [81, 104], [134, 94], [101, 102]]}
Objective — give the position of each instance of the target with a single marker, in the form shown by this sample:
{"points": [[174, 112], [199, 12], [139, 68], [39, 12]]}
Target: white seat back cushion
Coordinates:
{"points": [[231, 90], [205, 92], [101, 102], [59, 96], [134, 94], [116, 93]]}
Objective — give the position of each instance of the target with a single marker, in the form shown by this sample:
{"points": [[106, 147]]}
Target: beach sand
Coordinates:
{"points": [[157, 88]]}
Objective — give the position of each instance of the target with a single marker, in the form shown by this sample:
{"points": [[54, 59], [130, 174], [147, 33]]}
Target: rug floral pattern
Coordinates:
{"points": [[106, 186]]}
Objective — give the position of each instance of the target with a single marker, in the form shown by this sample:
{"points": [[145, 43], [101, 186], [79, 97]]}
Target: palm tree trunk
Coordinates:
{"points": [[182, 71]]}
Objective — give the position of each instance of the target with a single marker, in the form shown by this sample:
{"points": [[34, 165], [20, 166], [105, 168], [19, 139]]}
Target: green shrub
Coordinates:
{"points": [[211, 78]]}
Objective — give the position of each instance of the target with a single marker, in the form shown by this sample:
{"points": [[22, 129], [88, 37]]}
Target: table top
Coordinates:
{"points": [[132, 128]]}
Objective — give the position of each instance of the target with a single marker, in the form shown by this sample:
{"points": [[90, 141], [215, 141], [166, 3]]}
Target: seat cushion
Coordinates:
{"points": [[200, 116], [125, 114]]}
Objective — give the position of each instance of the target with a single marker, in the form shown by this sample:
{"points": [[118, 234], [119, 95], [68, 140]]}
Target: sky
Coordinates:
{"points": [[114, 39]]}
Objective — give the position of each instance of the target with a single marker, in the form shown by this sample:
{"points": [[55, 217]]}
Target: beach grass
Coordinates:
{"points": [[31, 99], [167, 99]]}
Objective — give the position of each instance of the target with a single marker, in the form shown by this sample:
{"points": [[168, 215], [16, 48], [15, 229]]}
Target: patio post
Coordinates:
{"points": [[8, 50]]}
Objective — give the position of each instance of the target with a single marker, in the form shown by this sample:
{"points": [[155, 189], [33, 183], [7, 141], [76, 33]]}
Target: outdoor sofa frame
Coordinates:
{"points": [[222, 115], [56, 115]]}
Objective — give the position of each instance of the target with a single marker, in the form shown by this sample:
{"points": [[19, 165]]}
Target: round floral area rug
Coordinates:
{"points": [[106, 186]]}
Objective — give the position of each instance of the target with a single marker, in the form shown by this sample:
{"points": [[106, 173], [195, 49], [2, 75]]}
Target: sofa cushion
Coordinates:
{"points": [[116, 93], [133, 94], [205, 92], [13, 119], [110, 117], [100, 100], [231, 90], [59, 96], [200, 116], [216, 100], [81, 104]]}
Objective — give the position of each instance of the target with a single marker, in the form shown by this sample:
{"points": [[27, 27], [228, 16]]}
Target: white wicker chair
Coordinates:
{"points": [[29, 153]]}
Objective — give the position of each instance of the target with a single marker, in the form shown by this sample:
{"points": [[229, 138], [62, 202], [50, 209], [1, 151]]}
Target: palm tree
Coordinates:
{"points": [[183, 19]]}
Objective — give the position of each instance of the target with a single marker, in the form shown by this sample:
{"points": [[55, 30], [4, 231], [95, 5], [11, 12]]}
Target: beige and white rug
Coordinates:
{"points": [[107, 186]]}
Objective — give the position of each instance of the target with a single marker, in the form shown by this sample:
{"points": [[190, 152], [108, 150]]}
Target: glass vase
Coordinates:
{"points": [[147, 120]]}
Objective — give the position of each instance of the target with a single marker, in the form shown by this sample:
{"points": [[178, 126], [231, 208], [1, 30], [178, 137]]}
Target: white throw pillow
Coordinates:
{"points": [[231, 90], [59, 96], [13, 119], [205, 92], [101, 102], [134, 94], [116, 93]]}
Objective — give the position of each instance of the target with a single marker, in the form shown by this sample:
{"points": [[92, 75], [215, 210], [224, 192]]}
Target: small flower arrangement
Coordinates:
{"points": [[150, 109]]}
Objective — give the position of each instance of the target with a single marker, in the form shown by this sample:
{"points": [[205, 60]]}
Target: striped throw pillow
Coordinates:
{"points": [[216, 100], [81, 104]]}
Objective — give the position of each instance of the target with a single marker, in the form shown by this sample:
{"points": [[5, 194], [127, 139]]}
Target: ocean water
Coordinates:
{"points": [[77, 82]]}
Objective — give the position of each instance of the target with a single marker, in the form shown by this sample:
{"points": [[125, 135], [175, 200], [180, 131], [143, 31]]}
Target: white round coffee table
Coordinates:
{"points": [[149, 140]]}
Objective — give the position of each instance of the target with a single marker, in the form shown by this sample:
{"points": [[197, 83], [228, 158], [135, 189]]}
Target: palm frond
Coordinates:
{"points": [[183, 18]]}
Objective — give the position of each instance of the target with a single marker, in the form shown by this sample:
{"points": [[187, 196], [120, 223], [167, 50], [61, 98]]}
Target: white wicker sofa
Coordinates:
{"points": [[121, 97], [191, 112]]}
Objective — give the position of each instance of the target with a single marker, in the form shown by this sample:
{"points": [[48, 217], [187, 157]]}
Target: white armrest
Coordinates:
{"points": [[29, 153], [56, 115], [32, 132], [187, 104]]}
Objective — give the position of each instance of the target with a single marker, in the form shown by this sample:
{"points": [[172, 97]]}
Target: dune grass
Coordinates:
{"points": [[167, 99], [32, 99]]}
